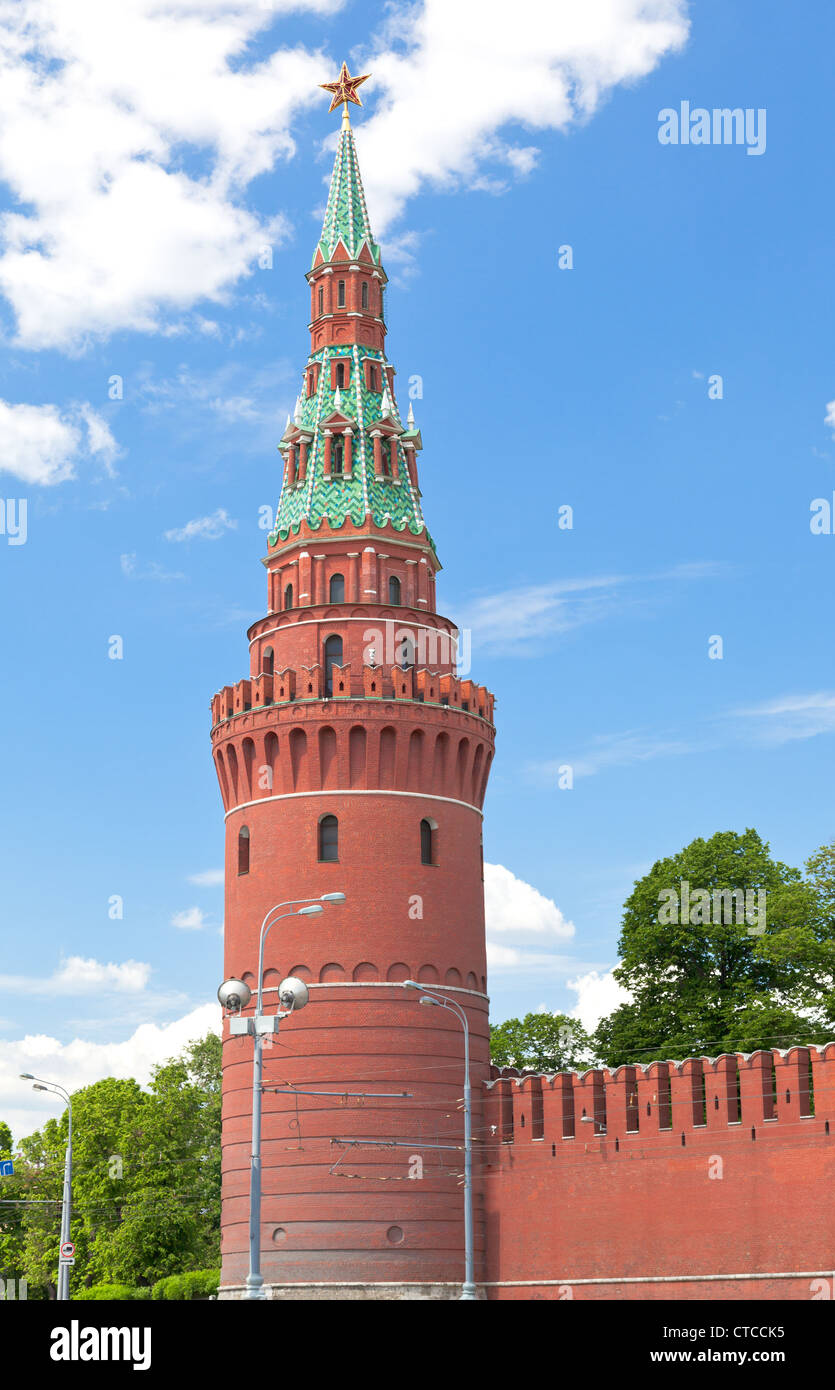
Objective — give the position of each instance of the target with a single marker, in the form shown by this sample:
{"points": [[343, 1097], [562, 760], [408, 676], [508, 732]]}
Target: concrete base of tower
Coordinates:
{"points": [[353, 1293]]}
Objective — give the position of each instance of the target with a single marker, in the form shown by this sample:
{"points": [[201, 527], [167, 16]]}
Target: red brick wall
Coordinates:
{"points": [[736, 1185]]}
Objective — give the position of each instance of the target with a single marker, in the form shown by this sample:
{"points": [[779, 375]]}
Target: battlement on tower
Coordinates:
{"points": [[296, 684]]}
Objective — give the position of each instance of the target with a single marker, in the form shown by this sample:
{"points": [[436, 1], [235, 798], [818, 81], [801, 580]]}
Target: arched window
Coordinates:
{"points": [[321, 300], [288, 596], [340, 294], [427, 842], [328, 839], [340, 374], [333, 657], [385, 449], [365, 294], [243, 850], [267, 662], [394, 589], [372, 377], [337, 588], [311, 383], [337, 455]]}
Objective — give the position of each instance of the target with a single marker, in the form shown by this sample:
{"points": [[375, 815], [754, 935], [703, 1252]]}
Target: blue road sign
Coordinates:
{"points": [[6, 1168]]}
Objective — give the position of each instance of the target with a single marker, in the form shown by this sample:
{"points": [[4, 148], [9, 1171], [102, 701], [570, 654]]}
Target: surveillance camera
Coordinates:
{"points": [[293, 994], [234, 995]]}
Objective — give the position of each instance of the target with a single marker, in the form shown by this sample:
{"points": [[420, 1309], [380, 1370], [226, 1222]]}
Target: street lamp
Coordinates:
{"points": [[468, 1291], [234, 994], [63, 1291]]}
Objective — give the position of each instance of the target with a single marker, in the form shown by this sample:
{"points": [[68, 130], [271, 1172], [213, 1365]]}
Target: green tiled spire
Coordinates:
{"points": [[358, 407], [363, 494], [346, 216]]}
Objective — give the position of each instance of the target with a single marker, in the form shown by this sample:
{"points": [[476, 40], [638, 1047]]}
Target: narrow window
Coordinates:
{"points": [[340, 294], [426, 843], [321, 300], [372, 377], [340, 374], [386, 450], [311, 383], [365, 294], [394, 590], [288, 596], [267, 662], [337, 455], [329, 839], [407, 653], [337, 588], [333, 657], [243, 850]]}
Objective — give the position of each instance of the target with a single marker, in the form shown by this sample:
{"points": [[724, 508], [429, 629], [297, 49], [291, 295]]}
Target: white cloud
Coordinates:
{"points": [[209, 878], [613, 750], [40, 444], [132, 570], [82, 975], [100, 105], [791, 717], [513, 906], [206, 528], [507, 958], [509, 621], [455, 76], [597, 996], [80, 1063], [190, 919], [830, 415]]}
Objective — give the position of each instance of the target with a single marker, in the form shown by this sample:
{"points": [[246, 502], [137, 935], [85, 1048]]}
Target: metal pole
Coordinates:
{"points": [[254, 1280], [469, 1290], [66, 1204]]}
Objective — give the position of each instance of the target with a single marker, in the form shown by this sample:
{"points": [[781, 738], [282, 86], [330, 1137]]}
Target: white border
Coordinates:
{"points": [[353, 791]]}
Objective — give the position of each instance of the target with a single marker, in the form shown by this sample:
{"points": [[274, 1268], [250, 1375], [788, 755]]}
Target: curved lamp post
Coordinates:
{"points": [[468, 1291], [63, 1290]]}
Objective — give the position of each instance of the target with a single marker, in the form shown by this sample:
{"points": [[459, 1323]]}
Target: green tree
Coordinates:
{"points": [[711, 986], [146, 1177], [542, 1042]]}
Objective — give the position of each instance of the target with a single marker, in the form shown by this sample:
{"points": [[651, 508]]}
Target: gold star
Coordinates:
{"points": [[344, 88]]}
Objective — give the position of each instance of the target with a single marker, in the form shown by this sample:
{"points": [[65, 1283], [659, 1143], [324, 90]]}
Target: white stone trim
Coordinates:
{"points": [[315, 622], [353, 791]]}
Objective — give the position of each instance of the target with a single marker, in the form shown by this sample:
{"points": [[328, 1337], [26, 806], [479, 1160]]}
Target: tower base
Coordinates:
{"points": [[352, 1293]]}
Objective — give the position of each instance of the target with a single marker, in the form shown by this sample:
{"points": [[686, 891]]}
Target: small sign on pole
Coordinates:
{"points": [[67, 1251], [6, 1168]]}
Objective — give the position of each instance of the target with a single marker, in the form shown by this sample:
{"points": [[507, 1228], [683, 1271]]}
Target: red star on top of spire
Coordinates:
{"points": [[344, 88]]}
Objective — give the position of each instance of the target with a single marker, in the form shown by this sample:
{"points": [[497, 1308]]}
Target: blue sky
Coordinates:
{"points": [[137, 193]]}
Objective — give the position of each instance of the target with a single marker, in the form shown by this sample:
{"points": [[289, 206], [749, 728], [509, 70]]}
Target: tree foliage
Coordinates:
{"points": [[541, 1042], [712, 986], [146, 1180]]}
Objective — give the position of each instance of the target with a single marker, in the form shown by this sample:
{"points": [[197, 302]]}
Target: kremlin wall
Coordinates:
{"points": [[680, 1180]]}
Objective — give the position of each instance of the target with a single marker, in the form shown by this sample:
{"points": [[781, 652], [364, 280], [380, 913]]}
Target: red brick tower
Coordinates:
{"points": [[354, 758]]}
